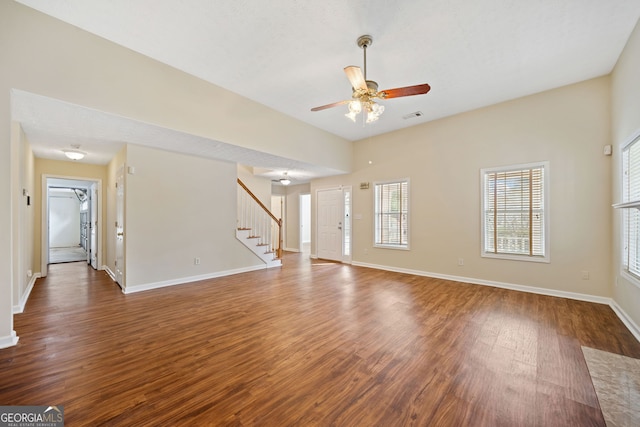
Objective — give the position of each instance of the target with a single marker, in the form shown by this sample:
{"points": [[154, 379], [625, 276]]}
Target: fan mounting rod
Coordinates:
{"points": [[364, 42]]}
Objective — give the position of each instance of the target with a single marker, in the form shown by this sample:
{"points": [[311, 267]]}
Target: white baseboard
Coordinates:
{"points": [[292, 250], [9, 340], [17, 309], [183, 280], [622, 315], [503, 285], [628, 322], [109, 272]]}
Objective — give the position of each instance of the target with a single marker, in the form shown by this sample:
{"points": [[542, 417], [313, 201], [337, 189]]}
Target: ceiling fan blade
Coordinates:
{"points": [[356, 78], [335, 104], [404, 91]]}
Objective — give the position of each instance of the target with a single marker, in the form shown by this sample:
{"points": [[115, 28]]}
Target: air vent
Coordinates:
{"points": [[412, 115]]}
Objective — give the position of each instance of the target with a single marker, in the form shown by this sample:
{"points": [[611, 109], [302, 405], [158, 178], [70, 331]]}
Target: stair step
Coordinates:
{"points": [[262, 244], [253, 237], [243, 229]]}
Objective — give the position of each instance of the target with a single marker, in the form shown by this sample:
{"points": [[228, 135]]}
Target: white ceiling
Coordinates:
{"points": [[289, 55]]}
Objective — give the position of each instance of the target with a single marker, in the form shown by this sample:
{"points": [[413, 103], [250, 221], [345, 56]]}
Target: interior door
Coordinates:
{"points": [[93, 225], [119, 273], [329, 208]]}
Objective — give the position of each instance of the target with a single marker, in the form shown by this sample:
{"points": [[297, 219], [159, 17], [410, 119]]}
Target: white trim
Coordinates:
{"points": [[109, 272], [375, 229], [44, 219], [318, 190], [9, 340], [292, 250], [630, 277], [628, 205], [300, 221], [503, 285], [515, 257], [17, 309], [546, 185], [622, 315], [626, 319], [184, 280], [624, 268]]}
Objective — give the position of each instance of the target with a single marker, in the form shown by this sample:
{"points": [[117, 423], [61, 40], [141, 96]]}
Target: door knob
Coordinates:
{"points": [[119, 234]]}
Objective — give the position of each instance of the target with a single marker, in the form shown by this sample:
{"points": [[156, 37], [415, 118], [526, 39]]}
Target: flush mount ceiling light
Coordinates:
{"points": [[365, 92], [74, 153]]}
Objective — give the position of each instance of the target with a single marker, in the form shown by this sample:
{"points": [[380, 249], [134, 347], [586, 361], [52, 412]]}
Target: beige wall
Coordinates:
{"points": [[180, 207], [625, 97], [568, 127], [71, 170], [25, 260], [259, 186]]}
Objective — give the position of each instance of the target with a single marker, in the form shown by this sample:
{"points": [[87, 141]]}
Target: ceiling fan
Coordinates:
{"points": [[365, 92], [285, 180]]}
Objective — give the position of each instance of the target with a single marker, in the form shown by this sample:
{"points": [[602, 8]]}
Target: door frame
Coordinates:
{"points": [[300, 222], [44, 226], [343, 188]]}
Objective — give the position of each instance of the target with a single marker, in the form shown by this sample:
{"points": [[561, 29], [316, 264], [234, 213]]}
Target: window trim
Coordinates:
{"points": [[547, 209], [386, 245], [632, 204]]}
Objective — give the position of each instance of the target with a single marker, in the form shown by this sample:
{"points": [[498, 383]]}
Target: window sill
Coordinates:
{"points": [[627, 205], [514, 257], [397, 247], [630, 277]]}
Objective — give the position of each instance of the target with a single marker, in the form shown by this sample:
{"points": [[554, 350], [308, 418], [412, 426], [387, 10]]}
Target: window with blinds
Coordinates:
{"points": [[631, 216], [391, 213], [515, 223]]}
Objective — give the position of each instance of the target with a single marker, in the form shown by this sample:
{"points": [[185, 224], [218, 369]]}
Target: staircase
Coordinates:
{"points": [[258, 229]]}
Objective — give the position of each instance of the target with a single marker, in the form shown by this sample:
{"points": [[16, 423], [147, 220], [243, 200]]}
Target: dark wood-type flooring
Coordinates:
{"points": [[313, 343]]}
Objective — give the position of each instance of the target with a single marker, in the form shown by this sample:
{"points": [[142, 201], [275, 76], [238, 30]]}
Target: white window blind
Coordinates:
{"points": [[391, 212], [514, 212], [631, 217]]}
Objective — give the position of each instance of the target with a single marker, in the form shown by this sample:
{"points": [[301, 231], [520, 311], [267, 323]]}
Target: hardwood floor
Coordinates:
{"points": [[313, 343]]}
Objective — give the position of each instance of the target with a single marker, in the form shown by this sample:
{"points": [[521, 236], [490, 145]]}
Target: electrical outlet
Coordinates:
{"points": [[196, 261], [460, 261], [585, 275]]}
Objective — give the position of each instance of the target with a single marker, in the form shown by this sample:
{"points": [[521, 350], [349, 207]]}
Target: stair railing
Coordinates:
{"points": [[253, 215]]}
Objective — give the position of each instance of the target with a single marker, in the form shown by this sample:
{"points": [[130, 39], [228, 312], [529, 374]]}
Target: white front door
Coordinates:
{"points": [[330, 215], [120, 227], [93, 227]]}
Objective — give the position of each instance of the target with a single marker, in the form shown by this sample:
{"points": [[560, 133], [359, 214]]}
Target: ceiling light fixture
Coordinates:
{"points": [[365, 92], [285, 180], [363, 96], [74, 154], [374, 110]]}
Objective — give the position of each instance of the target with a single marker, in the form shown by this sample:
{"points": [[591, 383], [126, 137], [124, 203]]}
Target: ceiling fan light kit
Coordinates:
{"points": [[365, 92], [285, 180]]}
